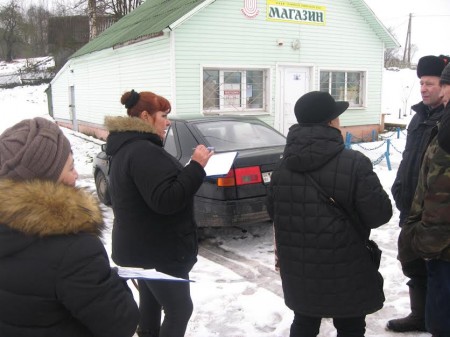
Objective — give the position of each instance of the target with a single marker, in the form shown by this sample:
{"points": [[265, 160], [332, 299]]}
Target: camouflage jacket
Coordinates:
{"points": [[426, 233]]}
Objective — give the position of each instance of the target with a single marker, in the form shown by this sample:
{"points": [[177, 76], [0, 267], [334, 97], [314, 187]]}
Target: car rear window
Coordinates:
{"points": [[238, 135]]}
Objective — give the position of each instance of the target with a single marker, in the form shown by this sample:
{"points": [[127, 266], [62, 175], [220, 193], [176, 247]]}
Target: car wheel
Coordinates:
{"points": [[101, 185]]}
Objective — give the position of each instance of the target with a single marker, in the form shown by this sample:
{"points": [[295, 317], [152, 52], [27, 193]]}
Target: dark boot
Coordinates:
{"points": [[415, 321]]}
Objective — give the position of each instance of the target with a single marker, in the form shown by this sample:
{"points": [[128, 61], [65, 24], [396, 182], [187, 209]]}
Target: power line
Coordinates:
{"points": [[430, 15]]}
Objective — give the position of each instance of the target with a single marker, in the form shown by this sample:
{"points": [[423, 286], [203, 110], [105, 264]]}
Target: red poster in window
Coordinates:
{"points": [[232, 95]]}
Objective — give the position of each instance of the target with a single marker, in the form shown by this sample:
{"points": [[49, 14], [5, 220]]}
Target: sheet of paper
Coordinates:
{"points": [[220, 163], [152, 274]]}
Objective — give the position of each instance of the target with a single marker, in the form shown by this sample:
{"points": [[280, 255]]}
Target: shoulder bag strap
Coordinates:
{"points": [[321, 190], [333, 202]]}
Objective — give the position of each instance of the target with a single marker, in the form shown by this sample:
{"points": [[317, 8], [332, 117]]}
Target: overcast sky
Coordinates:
{"points": [[429, 26]]}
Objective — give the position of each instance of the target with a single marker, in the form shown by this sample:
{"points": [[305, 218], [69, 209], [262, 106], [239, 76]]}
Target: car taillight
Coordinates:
{"points": [[248, 175], [228, 180], [241, 176]]}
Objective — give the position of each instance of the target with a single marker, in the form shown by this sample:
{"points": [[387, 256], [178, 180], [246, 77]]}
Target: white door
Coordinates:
{"points": [[294, 83]]}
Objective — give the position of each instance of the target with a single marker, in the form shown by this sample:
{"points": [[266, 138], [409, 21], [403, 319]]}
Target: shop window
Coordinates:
{"points": [[228, 90], [344, 86]]}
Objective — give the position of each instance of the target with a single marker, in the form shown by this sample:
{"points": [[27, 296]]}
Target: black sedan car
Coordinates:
{"points": [[232, 200]]}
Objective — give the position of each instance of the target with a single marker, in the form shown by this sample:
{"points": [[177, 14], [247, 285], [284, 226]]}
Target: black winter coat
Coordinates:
{"points": [[152, 197], [325, 268], [55, 276], [418, 138]]}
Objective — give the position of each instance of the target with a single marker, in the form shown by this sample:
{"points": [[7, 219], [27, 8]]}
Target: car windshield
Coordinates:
{"points": [[238, 135]]}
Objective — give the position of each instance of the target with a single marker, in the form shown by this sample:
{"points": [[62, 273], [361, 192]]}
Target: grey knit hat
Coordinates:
{"points": [[33, 148], [445, 76]]}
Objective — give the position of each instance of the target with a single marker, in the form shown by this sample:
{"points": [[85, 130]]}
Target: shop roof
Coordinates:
{"points": [[154, 16], [146, 21]]}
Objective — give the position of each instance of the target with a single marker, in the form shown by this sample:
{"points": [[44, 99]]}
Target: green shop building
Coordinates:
{"points": [[222, 57]]}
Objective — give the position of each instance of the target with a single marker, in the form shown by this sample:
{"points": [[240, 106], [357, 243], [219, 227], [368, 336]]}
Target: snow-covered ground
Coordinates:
{"points": [[25, 69], [227, 301]]}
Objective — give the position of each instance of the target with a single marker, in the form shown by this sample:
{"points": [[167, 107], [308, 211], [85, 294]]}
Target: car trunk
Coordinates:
{"points": [[264, 159]]}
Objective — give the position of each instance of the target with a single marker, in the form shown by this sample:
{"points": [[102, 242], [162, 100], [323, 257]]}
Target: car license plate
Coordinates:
{"points": [[266, 177]]}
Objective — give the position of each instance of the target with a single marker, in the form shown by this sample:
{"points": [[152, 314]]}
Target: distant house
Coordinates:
{"points": [[240, 57]]}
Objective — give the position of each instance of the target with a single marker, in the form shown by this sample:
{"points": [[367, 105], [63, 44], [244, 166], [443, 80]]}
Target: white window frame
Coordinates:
{"points": [[362, 88], [243, 108]]}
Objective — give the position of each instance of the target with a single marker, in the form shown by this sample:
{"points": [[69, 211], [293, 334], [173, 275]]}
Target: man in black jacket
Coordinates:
{"points": [[428, 114], [325, 268]]}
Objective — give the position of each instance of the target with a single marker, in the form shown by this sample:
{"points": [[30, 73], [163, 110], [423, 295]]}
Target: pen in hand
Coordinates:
{"points": [[202, 154], [210, 148]]}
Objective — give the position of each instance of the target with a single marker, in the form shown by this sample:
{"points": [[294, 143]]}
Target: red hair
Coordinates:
{"points": [[147, 101]]}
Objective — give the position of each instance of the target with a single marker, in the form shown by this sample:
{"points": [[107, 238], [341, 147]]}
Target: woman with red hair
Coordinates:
{"points": [[152, 198]]}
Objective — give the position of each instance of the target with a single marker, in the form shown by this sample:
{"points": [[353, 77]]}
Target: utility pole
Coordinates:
{"points": [[407, 51]]}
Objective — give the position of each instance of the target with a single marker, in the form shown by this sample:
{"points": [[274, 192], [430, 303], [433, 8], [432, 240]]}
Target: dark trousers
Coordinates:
{"points": [[416, 270], [305, 326], [171, 296], [437, 308]]}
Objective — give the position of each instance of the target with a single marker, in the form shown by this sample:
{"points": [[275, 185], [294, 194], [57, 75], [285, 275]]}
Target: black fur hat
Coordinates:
{"points": [[431, 65]]}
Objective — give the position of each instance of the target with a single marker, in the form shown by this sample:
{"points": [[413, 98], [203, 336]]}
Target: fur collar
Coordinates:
{"points": [[44, 208], [122, 124]]}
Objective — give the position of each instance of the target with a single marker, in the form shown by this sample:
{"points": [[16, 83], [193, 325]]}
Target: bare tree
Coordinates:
{"points": [[115, 8], [36, 29], [391, 55], [92, 15], [414, 49], [120, 8], [11, 21], [99, 10], [69, 8], [24, 32], [391, 58]]}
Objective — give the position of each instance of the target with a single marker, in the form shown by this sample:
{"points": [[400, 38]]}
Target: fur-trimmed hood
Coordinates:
{"points": [[127, 129], [123, 124], [45, 208]]}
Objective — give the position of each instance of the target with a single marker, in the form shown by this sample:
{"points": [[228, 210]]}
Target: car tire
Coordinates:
{"points": [[101, 184]]}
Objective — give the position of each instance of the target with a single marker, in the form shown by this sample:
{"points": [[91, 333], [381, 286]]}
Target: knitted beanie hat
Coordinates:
{"points": [[445, 76], [33, 148]]}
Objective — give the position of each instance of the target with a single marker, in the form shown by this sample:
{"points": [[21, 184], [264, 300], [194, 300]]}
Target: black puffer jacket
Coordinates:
{"points": [[419, 131], [55, 277], [325, 268], [152, 197]]}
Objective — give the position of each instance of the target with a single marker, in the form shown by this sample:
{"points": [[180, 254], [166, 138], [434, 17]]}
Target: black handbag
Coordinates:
{"points": [[374, 251]]}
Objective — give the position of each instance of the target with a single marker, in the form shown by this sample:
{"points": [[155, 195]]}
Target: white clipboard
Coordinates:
{"points": [[220, 164], [149, 274]]}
